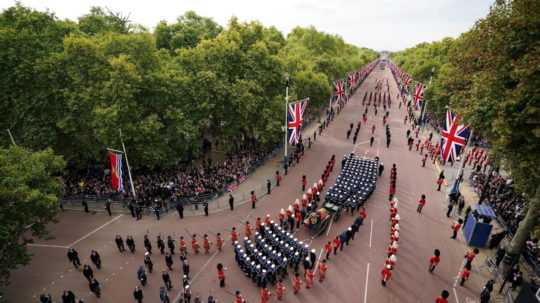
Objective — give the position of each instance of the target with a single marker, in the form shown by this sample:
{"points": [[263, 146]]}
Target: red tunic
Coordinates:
{"points": [[386, 274]]}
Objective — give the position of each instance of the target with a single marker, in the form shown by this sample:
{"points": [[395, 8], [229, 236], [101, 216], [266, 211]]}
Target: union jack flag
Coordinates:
{"points": [[295, 118], [453, 136], [340, 90], [352, 77], [418, 94]]}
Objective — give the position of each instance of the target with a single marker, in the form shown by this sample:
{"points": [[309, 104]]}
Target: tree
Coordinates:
{"points": [[101, 20], [29, 190], [187, 32]]}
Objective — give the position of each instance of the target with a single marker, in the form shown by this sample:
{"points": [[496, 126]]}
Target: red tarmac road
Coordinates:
{"points": [[353, 275]]}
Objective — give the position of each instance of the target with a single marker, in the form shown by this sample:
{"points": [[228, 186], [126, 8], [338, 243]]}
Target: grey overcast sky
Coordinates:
{"points": [[377, 24]]}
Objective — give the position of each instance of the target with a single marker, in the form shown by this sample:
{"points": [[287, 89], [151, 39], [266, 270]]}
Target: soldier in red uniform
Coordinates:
{"points": [[421, 204], [219, 242], [310, 275], [194, 244], [465, 274], [470, 255], [386, 273], [253, 199], [221, 275], [183, 246], [278, 178], [234, 235], [328, 249], [258, 223], [304, 183], [206, 244], [434, 260], [443, 298], [322, 270], [248, 229], [456, 227], [238, 298], [265, 295], [280, 290], [337, 244], [297, 283]]}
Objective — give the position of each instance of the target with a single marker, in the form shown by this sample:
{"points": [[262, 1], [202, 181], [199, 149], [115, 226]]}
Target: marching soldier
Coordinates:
{"points": [[131, 244], [161, 244], [248, 229], [170, 244], [386, 273], [221, 275], [297, 283], [304, 183], [182, 246], [278, 178], [195, 244], [206, 244], [147, 244], [166, 279], [73, 257], [265, 295], [310, 275], [119, 243], [234, 235], [219, 242], [322, 270], [253, 199], [280, 290], [434, 260], [169, 261], [96, 259]]}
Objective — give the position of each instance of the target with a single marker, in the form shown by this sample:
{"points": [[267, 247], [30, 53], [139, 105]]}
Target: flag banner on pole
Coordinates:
{"points": [[339, 90], [453, 136], [295, 119], [116, 171], [418, 95]]}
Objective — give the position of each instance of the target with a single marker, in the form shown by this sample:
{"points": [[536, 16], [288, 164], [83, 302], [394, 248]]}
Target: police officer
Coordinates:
{"points": [[119, 243], [170, 244], [130, 243], [95, 258], [138, 294], [166, 279], [147, 244], [95, 287], [180, 209], [73, 257], [169, 261]]}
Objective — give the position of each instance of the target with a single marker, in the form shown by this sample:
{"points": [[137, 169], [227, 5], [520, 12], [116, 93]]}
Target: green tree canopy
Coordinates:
{"points": [[29, 190]]}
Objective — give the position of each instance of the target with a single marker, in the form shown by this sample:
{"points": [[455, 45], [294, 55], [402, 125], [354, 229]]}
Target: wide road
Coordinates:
{"points": [[353, 276]]}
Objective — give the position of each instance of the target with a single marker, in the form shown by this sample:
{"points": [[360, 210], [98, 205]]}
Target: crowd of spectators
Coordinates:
{"points": [[202, 177]]}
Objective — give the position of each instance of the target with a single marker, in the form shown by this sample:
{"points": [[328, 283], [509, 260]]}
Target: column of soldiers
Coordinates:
{"points": [[391, 259]]}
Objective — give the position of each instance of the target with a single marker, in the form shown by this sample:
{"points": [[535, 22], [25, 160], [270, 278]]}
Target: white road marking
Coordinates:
{"points": [[366, 286], [46, 245], [455, 295], [371, 233], [95, 230], [197, 274], [329, 227]]}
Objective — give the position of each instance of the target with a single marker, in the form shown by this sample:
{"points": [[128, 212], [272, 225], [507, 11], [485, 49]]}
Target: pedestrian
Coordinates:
{"points": [[268, 186], [443, 298], [304, 183], [119, 243], [323, 268], [131, 244], [253, 199], [455, 228], [421, 204], [297, 283], [180, 209], [95, 258], [95, 287], [231, 202], [73, 257], [166, 279], [465, 274], [138, 294], [141, 275], [234, 235], [85, 205], [386, 274], [485, 294], [424, 159], [221, 275], [160, 245], [310, 275], [206, 244], [108, 207], [163, 296], [434, 260], [45, 298]]}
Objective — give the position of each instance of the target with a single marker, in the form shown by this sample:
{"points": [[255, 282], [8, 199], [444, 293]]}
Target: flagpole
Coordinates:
{"points": [[285, 162], [127, 164], [460, 171], [11, 137]]}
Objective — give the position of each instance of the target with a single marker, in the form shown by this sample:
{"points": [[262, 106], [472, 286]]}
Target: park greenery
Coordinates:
{"points": [[491, 75], [72, 85], [68, 87]]}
